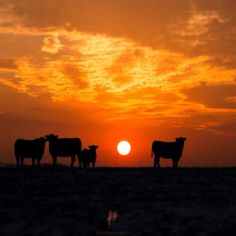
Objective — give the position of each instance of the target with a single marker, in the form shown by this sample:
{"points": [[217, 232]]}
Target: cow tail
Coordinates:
{"points": [[152, 153]]}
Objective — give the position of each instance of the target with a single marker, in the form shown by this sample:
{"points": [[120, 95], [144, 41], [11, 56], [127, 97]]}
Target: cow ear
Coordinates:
{"points": [[96, 146]]}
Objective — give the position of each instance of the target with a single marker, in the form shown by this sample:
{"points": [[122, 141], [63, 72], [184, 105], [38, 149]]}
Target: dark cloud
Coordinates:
{"points": [[7, 63], [148, 22], [227, 128], [18, 45], [89, 14], [218, 96], [219, 39], [144, 21], [77, 75]]}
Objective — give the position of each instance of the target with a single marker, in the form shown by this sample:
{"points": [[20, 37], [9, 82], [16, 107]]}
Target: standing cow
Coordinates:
{"points": [[168, 150], [33, 149], [64, 147], [89, 156]]}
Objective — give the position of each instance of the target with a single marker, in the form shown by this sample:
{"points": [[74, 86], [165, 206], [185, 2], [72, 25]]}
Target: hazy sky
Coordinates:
{"points": [[106, 70]]}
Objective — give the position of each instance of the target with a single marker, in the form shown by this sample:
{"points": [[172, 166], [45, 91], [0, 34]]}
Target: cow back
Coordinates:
{"points": [[65, 146], [25, 147], [167, 149], [29, 148]]}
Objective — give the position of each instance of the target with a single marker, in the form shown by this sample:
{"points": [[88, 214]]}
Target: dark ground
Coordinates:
{"points": [[63, 201]]}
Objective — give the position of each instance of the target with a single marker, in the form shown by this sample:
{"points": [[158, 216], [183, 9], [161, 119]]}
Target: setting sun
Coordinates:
{"points": [[123, 148]]}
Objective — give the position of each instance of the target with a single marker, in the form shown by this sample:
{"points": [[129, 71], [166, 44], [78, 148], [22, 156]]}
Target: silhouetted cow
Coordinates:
{"points": [[89, 156], [168, 150], [33, 149], [64, 147]]}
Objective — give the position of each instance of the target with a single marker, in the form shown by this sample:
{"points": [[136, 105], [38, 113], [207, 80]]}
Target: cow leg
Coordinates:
{"points": [[80, 162], [72, 161], [54, 161], [17, 161], [93, 164], [86, 164], [22, 161], [33, 161], [157, 162], [38, 162], [175, 164]]}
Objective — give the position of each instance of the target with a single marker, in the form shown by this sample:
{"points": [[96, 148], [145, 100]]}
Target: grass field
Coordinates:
{"points": [[63, 201]]}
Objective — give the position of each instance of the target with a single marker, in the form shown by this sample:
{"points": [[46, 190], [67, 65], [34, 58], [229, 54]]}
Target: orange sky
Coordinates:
{"points": [[120, 69]]}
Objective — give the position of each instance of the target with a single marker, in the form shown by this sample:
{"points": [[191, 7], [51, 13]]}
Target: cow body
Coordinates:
{"points": [[33, 149], [168, 150], [89, 156], [64, 147]]}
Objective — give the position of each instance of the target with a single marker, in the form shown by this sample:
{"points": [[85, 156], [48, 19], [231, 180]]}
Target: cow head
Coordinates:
{"points": [[180, 139], [93, 147], [42, 139], [51, 137]]}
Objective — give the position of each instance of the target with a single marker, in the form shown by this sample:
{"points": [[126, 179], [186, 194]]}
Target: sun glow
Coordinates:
{"points": [[123, 148]]}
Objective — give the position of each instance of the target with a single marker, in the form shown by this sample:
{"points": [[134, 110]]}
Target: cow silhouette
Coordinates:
{"points": [[168, 150], [64, 147], [89, 156], [33, 149]]}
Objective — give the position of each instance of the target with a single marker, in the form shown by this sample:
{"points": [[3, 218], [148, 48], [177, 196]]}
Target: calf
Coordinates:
{"points": [[89, 156]]}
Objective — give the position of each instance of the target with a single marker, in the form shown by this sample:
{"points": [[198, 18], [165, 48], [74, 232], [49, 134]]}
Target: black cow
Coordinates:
{"points": [[168, 150], [64, 147], [89, 156], [33, 149]]}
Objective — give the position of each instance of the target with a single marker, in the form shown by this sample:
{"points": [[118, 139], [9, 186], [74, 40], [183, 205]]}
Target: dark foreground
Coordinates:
{"points": [[186, 201]]}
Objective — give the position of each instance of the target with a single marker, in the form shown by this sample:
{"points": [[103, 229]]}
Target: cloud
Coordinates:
{"points": [[7, 64], [116, 74], [171, 24], [199, 23], [76, 74], [215, 96], [120, 58], [51, 44], [227, 127]]}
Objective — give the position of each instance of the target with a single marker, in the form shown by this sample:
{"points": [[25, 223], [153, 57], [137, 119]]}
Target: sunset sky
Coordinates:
{"points": [[108, 70]]}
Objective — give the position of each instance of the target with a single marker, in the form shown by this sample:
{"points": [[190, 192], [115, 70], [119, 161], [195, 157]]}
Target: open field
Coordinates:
{"points": [[63, 201]]}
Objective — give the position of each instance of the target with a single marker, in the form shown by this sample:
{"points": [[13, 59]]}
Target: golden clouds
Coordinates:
{"points": [[51, 44], [117, 74], [114, 73], [199, 23]]}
